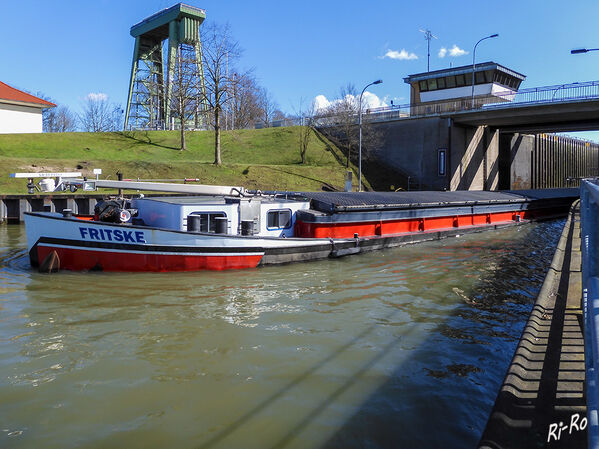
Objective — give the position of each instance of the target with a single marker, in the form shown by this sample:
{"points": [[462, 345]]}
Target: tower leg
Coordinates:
{"points": [[132, 79], [173, 45]]}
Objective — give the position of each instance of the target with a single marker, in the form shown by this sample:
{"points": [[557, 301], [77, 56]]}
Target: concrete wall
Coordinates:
{"points": [[545, 161], [411, 147], [516, 151], [20, 119], [478, 158]]}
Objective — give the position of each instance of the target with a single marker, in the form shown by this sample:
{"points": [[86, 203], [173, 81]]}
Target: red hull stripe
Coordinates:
{"points": [[88, 259], [383, 228]]}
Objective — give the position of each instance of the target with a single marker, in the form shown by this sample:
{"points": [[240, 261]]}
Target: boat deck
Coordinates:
{"points": [[354, 201]]}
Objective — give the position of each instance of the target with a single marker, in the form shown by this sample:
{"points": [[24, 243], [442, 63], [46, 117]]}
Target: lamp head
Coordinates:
{"points": [[494, 35], [378, 82], [578, 50]]}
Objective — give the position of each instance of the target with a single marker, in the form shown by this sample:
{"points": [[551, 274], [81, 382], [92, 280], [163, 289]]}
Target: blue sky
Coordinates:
{"points": [[68, 49]]}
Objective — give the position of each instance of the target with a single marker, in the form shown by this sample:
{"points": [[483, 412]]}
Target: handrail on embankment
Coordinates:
{"points": [[589, 221]]}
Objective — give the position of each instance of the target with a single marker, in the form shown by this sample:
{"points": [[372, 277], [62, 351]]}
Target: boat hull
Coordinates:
{"points": [[94, 246], [340, 224]]}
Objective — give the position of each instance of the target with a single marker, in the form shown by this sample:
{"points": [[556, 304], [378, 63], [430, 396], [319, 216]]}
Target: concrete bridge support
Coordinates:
{"points": [[413, 148], [436, 153], [474, 158]]}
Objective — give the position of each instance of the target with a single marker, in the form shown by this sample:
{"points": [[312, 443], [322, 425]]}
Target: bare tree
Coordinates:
{"points": [[267, 106], [340, 122], [63, 121], [305, 130], [99, 115], [243, 106], [186, 90], [48, 114], [277, 114], [220, 52], [345, 110]]}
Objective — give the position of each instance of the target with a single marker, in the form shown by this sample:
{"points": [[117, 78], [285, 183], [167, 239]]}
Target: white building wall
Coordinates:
{"points": [[20, 119], [466, 92]]}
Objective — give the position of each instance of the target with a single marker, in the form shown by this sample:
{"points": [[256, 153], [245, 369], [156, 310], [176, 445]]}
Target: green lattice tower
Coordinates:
{"points": [[150, 99]]}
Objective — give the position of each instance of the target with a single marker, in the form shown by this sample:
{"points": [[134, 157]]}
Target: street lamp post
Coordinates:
{"points": [[360, 133], [582, 50], [474, 63]]}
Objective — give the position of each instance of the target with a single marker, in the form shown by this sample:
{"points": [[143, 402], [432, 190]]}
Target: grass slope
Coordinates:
{"points": [[266, 159]]}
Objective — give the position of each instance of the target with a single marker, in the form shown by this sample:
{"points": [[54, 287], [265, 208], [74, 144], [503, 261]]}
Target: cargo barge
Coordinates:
{"points": [[231, 228]]}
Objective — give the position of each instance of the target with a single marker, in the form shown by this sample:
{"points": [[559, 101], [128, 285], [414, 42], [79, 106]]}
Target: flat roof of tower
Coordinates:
{"points": [[165, 16], [462, 70]]}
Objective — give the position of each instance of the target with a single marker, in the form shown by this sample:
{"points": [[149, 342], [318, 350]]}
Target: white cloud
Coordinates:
{"points": [[457, 51], [96, 96], [320, 103], [402, 55], [454, 51], [370, 101]]}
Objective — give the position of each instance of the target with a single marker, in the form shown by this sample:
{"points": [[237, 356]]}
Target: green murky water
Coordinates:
{"points": [[399, 348]]}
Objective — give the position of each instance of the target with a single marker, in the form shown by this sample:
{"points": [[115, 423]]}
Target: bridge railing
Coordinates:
{"points": [[549, 94], [500, 99], [589, 221]]}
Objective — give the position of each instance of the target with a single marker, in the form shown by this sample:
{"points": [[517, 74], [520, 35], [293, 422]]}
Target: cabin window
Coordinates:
{"points": [[450, 81], [480, 77], [441, 83], [423, 86], [502, 78], [278, 219], [208, 220], [432, 84], [459, 80]]}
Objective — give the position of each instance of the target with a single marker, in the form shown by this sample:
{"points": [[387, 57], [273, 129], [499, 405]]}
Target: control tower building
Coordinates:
{"points": [[156, 95], [453, 89]]}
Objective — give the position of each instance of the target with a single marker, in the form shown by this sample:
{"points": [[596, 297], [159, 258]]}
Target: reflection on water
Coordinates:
{"points": [[373, 350]]}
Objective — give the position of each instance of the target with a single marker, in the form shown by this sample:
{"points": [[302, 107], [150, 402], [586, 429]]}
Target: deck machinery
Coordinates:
{"points": [[159, 98]]}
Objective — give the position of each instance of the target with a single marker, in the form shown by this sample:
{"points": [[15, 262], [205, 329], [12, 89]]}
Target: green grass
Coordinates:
{"points": [[266, 159]]}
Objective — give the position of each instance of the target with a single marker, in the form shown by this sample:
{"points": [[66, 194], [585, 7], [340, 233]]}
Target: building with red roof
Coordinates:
{"points": [[20, 112]]}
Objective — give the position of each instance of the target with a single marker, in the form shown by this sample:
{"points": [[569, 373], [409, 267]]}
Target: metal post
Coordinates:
{"points": [[474, 62], [360, 134], [132, 81]]}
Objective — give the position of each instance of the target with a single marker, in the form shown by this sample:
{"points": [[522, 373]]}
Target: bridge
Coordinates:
{"points": [[457, 144], [557, 108]]}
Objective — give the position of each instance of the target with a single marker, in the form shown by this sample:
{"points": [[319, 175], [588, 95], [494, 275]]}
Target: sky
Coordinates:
{"points": [[301, 51]]}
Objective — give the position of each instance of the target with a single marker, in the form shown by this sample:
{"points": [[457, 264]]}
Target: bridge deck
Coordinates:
{"points": [[543, 390]]}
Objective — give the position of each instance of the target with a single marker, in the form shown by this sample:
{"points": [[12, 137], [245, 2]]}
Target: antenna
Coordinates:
{"points": [[428, 35]]}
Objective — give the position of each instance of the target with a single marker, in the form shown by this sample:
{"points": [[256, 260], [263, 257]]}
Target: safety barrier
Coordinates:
{"points": [[589, 221]]}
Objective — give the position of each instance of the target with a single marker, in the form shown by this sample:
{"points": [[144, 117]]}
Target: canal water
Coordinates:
{"points": [[405, 347]]}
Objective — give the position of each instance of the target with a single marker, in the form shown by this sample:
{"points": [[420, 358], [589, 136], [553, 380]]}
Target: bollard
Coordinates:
{"points": [[247, 227], [221, 225], [194, 223]]}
